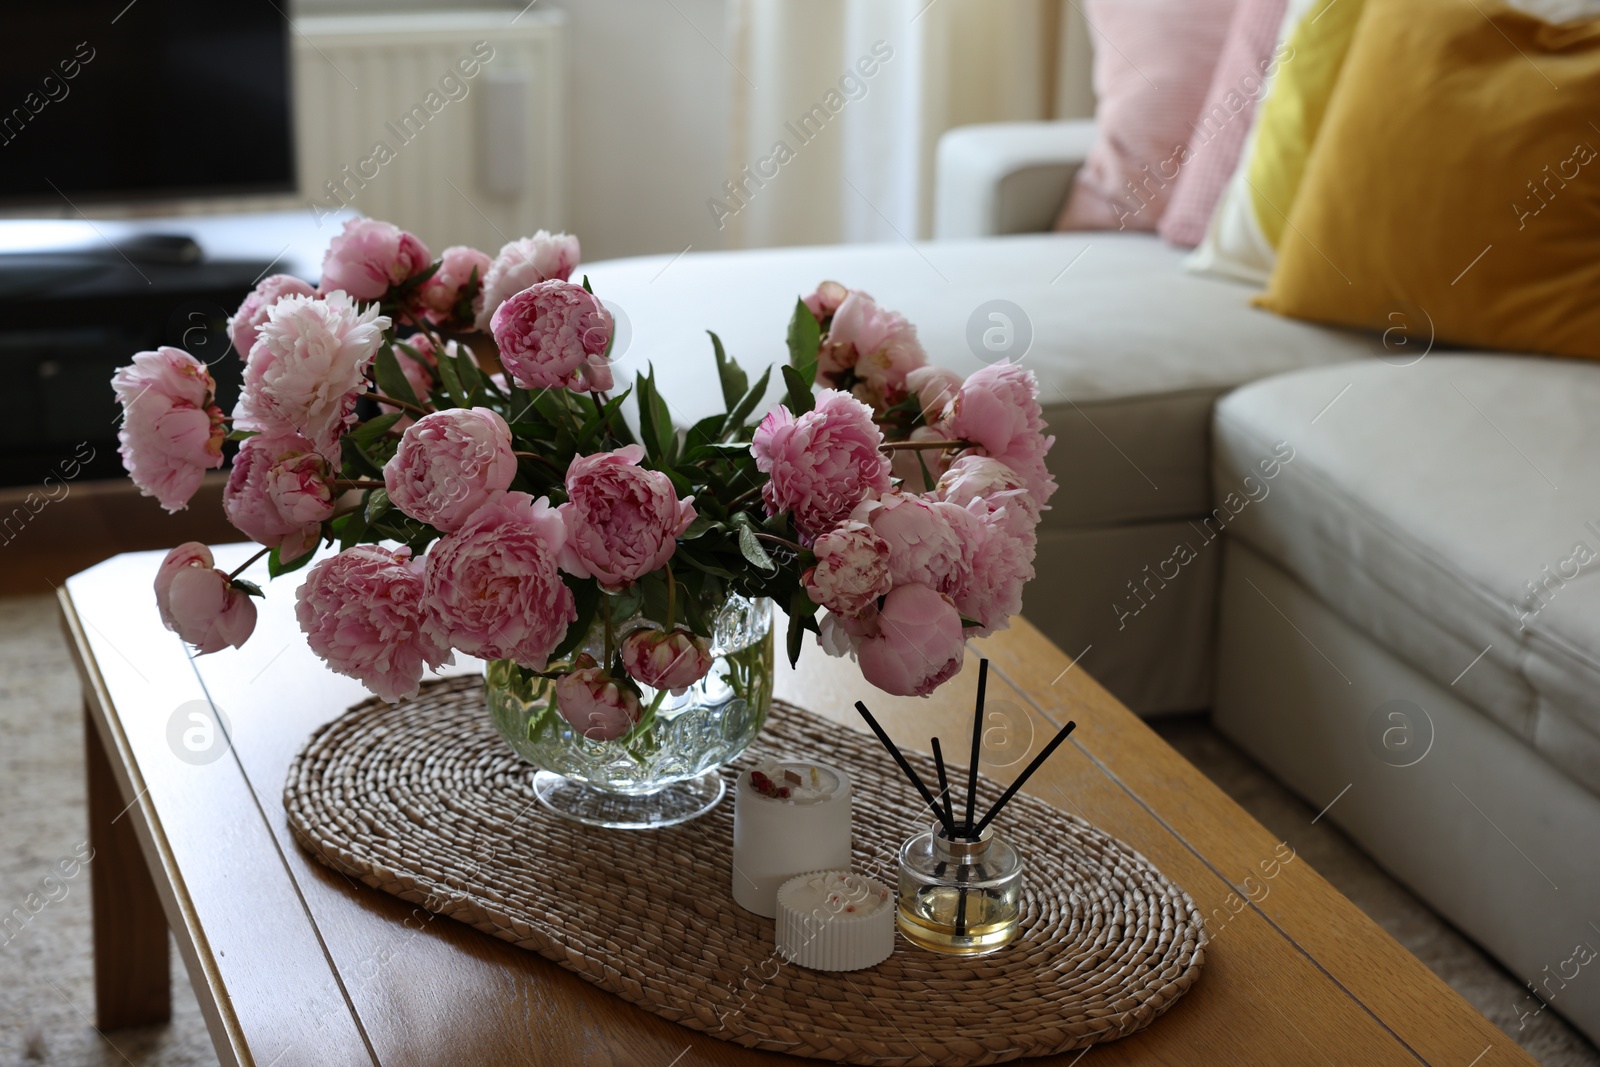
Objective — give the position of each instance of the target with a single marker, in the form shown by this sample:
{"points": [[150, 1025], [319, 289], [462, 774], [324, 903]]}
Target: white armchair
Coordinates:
{"points": [[1006, 177]]}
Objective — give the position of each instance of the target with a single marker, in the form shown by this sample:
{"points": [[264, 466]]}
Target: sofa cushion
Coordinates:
{"points": [[1153, 61], [1498, 237], [1130, 350], [1451, 510]]}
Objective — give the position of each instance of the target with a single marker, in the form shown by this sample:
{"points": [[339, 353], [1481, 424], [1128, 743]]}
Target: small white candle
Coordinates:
{"points": [[789, 818]]}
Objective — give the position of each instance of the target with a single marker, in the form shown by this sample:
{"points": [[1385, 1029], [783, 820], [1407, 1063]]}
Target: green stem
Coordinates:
{"points": [[541, 459], [775, 539], [743, 498], [401, 404], [240, 569], [605, 615], [917, 446], [646, 720], [672, 599]]}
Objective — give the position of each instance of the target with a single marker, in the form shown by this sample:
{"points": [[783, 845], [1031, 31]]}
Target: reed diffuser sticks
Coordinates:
{"points": [[939, 906], [971, 828]]}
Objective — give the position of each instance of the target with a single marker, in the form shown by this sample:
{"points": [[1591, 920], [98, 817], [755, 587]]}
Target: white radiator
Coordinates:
{"points": [[448, 124]]}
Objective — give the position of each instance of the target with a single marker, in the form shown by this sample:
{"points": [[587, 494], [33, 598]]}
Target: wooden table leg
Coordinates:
{"points": [[132, 985]]}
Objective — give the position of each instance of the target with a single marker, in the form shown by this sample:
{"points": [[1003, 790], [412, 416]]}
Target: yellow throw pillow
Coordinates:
{"points": [[1456, 179], [1248, 222]]}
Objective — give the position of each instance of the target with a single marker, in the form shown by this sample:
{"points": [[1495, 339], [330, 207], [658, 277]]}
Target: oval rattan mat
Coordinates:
{"points": [[425, 801]]}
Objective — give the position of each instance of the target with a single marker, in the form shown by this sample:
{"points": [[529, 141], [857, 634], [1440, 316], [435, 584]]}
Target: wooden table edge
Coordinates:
{"points": [[204, 974], [1378, 1013]]}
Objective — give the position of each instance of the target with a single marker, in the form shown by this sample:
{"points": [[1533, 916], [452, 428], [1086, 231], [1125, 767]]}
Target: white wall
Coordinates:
{"points": [[649, 123]]}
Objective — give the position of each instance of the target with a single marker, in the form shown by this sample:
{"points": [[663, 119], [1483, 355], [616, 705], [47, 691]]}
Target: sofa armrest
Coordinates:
{"points": [[1006, 177]]}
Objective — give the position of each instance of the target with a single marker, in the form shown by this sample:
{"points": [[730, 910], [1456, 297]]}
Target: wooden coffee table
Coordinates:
{"points": [[295, 964]]}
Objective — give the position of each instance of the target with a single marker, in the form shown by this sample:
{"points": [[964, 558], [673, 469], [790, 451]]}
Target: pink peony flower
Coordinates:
{"points": [[825, 301], [1000, 564], [663, 660], [852, 570], [919, 645], [369, 257], [878, 344], [548, 332], [540, 258], [449, 464], [439, 295], [279, 493], [923, 547], [935, 388], [199, 603], [362, 612], [307, 369], [244, 323], [822, 464], [973, 477], [622, 521], [494, 586], [997, 409], [171, 428], [595, 705], [596, 375], [838, 634]]}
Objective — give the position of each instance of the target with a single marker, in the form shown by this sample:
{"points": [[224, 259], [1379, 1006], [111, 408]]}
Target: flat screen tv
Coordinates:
{"points": [[153, 99]]}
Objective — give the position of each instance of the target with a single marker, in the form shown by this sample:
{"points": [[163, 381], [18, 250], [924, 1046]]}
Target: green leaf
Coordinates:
{"points": [[586, 598], [417, 279], [374, 428], [472, 380], [744, 407], [734, 380], [249, 587], [625, 605], [704, 432], [653, 587], [391, 382], [357, 464], [797, 629], [655, 421], [805, 338], [277, 569], [452, 381], [377, 504], [242, 435], [706, 566], [750, 546], [799, 399], [699, 527]]}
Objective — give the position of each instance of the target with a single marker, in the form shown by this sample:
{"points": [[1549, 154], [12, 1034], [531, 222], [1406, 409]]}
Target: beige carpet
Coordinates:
{"points": [[46, 1001]]}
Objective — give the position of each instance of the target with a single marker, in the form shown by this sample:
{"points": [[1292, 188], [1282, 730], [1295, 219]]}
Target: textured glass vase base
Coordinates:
{"points": [[678, 802]]}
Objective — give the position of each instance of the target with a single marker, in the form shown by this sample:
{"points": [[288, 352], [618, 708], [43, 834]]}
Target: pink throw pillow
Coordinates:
{"points": [[1239, 81], [1153, 61]]}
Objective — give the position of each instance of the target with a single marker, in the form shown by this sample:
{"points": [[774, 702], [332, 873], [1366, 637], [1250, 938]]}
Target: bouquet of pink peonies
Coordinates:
{"points": [[451, 425]]}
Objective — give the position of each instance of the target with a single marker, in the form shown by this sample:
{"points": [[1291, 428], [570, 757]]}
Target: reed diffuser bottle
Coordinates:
{"points": [[960, 883], [959, 896]]}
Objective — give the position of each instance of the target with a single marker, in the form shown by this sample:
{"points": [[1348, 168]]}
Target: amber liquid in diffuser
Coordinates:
{"points": [[959, 896], [930, 918]]}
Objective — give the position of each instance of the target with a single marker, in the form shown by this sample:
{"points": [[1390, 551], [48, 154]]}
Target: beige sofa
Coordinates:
{"points": [[1358, 560]]}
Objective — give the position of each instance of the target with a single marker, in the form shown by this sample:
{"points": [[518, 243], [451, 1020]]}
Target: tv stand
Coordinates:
{"points": [[77, 300]]}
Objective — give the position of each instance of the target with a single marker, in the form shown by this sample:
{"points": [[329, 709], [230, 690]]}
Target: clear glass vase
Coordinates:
{"points": [[663, 770]]}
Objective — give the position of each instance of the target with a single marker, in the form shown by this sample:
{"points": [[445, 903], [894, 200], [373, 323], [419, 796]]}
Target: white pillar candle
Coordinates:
{"points": [[793, 819]]}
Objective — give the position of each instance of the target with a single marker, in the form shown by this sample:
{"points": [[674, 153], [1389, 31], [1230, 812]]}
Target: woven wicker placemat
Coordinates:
{"points": [[425, 801]]}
